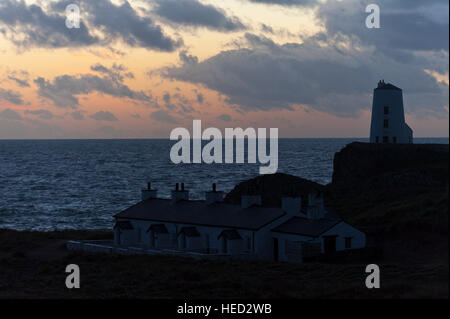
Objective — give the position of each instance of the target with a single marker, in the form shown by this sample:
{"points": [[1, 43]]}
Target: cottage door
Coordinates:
{"points": [[275, 249], [183, 241], [152, 239], [329, 244], [207, 244], [224, 245]]}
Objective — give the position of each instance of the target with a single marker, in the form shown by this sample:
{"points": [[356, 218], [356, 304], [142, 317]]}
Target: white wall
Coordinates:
{"points": [[208, 238], [259, 243], [117, 236], [127, 237], [191, 243], [161, 241], [234, 247], [264, 238], [289, 246], [343, 230]]}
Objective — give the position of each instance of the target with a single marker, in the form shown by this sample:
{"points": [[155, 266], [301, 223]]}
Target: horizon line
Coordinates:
{"points": [[161, 138]]}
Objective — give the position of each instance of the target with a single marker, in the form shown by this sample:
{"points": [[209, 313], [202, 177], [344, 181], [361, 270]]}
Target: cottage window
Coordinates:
{"points": [[386, 124], [348, 242], [224, 245], [377, 140], [385, 139], [152, 239], [183, 241], [386, 110], [207, 243]]}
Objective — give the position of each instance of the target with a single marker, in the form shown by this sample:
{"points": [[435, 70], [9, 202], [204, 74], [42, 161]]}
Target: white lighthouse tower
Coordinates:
{"points": [[388, 118]]}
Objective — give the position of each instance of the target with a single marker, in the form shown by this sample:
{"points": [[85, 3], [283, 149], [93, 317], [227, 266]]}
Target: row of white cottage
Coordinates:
{"points": [[286, 233]]}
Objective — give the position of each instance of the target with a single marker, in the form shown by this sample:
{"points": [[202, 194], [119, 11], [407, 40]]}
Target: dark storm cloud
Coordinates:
{"points": [[77, 115], [9, 114], [100, 68], [28, 25], [163, 116], [21, 82], [166, 98], [31, 26], [174, 103], [43, 114], [63, 90], [115, 71], [193, 13], [200, 98], [336, 79], [303, 3], [224, 117], [11, 96], [266, 28], [186, 58], [336, 70], [104, 116], [123, 22], [406, 25]]}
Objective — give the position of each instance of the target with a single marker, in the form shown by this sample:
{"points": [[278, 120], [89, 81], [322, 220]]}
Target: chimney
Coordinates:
{"points": [[213, 196], [178, 194], [291, 205], [316, 209], [250, 200], [148, 193]]}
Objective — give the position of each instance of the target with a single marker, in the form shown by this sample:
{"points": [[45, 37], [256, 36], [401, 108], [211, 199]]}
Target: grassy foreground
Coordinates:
{"points": [[32, 265]]}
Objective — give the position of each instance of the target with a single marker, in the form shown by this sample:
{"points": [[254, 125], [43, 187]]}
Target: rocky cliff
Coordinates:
{"points": [[380, 188], [272, 187], [362, 167]]}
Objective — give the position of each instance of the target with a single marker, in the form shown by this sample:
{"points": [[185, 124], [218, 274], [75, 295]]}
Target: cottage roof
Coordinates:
{"points": [[189, 232], [123, 225], [230, 234], [306, 227], [158, 229], [199, 213]]}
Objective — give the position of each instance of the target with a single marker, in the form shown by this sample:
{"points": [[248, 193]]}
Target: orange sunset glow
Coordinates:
{"points": [[293, 65]]}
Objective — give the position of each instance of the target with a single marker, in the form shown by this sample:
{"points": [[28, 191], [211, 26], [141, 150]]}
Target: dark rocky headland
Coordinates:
{"points": [[397, 194]]}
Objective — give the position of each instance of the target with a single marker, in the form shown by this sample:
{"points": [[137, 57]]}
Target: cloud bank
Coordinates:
{"points": [[194, 13], [103, 23], [63, 90]]}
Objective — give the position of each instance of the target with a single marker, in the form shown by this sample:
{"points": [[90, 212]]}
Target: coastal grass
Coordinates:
{"points": [[35, 268], [387, 212]]}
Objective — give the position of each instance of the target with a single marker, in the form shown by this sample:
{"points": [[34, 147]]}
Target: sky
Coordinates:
{"points": [[138, 69]]}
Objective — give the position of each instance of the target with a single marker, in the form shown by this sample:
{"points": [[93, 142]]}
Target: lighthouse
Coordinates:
{"points": [[388, 117]]}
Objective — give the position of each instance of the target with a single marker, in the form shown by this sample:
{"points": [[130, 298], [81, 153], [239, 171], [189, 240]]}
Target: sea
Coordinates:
{"points": [[50, 185]]}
